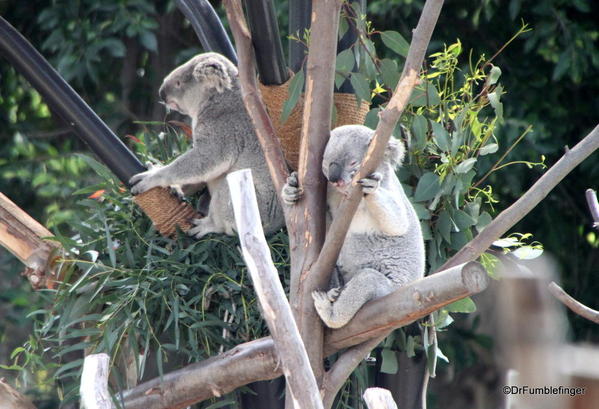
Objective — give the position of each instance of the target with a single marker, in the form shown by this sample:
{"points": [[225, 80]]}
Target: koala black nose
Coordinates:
{"points": [[162, 93], [334, 172]]}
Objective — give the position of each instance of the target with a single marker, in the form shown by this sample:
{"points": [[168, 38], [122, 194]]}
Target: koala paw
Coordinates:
{"points": [[201, 228], [371, 183], [177, 190], [145, 181], [323, 306], [333, 294], [291, 191]]}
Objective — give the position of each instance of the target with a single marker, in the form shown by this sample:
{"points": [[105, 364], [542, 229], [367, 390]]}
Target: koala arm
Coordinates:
{"points": [[189, 168]]}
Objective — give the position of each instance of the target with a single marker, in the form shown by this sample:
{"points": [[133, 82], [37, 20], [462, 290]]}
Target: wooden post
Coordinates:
{"points": [[94, 382], [275, 307], [23, 237], [379, 398]]}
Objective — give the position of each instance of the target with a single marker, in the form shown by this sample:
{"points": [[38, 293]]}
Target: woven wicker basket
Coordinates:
{"points": [[289, 132]]}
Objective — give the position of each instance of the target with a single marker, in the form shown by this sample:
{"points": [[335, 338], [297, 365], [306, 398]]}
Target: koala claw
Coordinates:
{"points": [[371, 183], [291, 191], [177, 190], [333, 294]]}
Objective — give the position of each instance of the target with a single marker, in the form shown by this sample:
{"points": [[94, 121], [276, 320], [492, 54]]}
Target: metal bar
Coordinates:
{"points": [[208, 27], [63, 100], [268, 49]]}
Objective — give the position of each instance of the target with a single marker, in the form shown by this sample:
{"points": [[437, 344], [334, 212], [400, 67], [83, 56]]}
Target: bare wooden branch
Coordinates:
{"points": [[12, 399], [591, 196], [271, 295], [379, 398], [94, 382], [257, 360], [388, 118], [575, 306], [23, 236], [252, 98], [521, 207], [249, 362], [343, 367], [407, 304], [306, 224]]}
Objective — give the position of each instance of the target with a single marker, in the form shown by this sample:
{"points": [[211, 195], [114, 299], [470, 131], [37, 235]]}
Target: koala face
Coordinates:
{"points": [[346, 149], [344, 153], [188, 85]]}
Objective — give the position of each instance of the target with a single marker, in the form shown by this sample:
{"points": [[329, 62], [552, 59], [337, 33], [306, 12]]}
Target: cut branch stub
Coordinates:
{"points": [[166, 211], [23, 236]]}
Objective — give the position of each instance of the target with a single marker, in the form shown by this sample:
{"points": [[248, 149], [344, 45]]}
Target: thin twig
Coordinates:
{"points": [[591, 196], [521, 207], [344, 366], [575, 306]]}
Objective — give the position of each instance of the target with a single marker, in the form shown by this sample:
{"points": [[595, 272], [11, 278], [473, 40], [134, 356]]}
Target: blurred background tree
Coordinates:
{"points": [[115, 54]]}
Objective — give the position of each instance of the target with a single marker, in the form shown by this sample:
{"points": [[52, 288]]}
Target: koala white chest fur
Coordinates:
{"points": [[383, 248], [206, 88]]}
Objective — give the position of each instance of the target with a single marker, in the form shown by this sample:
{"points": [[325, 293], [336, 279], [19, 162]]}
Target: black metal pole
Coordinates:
{"points": [[348, 39], [63, 100], [208, 27], [262, 20], [299, 19]]}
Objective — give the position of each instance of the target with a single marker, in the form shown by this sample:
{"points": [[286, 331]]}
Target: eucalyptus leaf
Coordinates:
{"points": [[390, 72], [465, 305], [465, 165], [428, 186], [488, 149], [389, 364], [296, 86], [396, 42], [361, 86]]}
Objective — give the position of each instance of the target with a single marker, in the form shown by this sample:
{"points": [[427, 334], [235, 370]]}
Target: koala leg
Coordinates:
{"points": [[366, 285]]}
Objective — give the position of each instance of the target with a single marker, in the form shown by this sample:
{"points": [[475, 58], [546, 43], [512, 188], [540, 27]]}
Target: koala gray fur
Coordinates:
{"points": [[206, 88], [383, 249]]}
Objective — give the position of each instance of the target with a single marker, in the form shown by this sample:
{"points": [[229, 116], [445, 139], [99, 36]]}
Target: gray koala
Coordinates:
{"points": [[383, 248], [206, 88]]}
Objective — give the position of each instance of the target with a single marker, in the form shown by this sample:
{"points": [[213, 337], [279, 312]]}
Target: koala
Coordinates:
{"points": [[206, 88], [383, 249]]}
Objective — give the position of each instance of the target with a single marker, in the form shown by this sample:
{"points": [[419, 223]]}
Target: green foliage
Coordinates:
{"points": [[126, 287], [82, 34]]}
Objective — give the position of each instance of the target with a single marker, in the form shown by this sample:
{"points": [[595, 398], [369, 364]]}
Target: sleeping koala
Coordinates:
{"points": [[206, 88], [383, 249]]}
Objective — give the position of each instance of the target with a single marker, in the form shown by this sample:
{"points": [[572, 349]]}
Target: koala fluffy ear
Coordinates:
{"points": [[395, 151], [213, 73]]}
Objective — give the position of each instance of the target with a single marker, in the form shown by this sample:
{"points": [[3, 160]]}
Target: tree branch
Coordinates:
{"points": [[249, 362], [12, 399], [591, 196], [306, 224], [527, 202], [275, 307], [343, 367], [575, 306], [23, 237], [388, 118], [252, 98], [257, 360]]}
